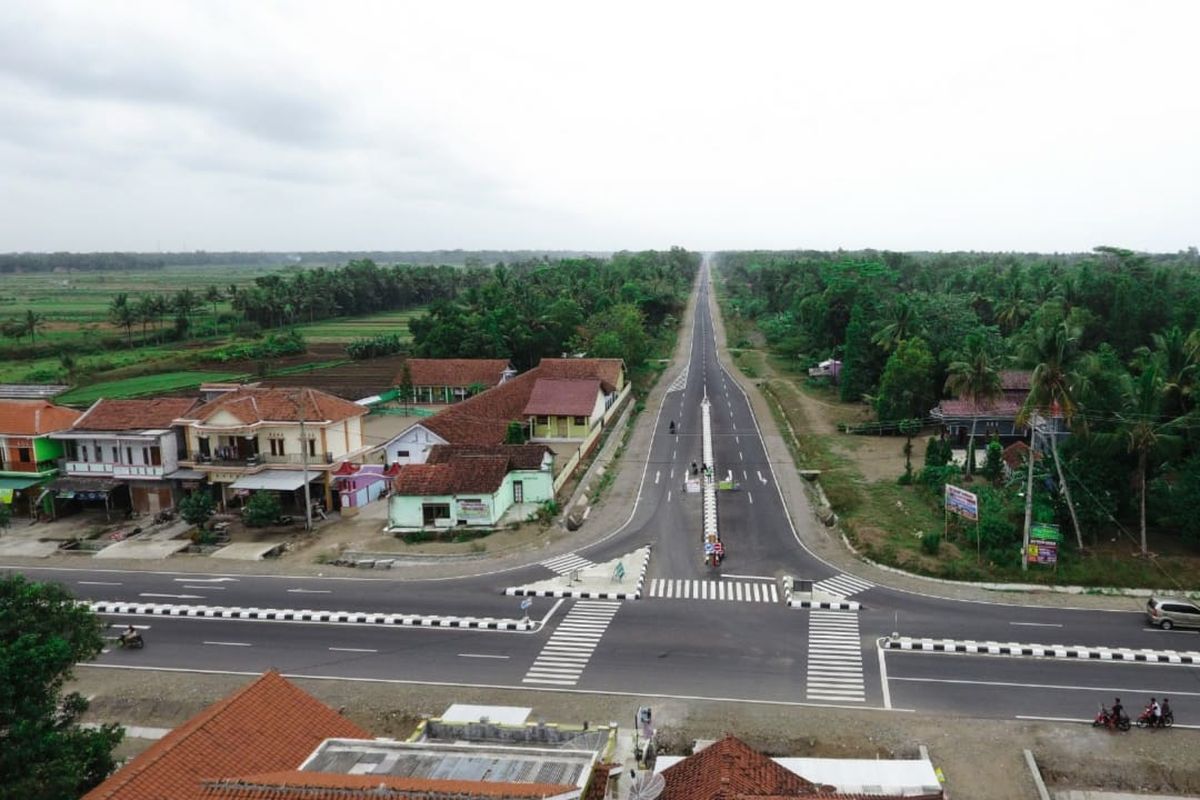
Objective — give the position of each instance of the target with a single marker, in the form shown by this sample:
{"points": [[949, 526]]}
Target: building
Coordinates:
{"points": [[961, 418], [452, 380], [484, 419], [729, 769], [359, 484], [271, 740], [563, 409], [470, 485], [29, 454], [249, 439], [128, 442]]}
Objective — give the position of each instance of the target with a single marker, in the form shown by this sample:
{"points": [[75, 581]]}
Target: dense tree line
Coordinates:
{"points": [[530, 310], [79, 262], [1112, 338]]}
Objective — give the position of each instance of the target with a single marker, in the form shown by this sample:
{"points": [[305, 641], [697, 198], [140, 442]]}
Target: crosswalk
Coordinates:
{"points": [[736, 591], [566, 563], [835, 669], [842, 585], [568, 650]]}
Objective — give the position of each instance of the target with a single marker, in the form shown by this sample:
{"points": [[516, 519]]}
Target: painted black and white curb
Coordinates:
{"points": [[632, 593], [291, 615], [804, 600], [1081, 652]]}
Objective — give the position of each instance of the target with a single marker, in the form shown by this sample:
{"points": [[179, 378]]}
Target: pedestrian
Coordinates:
{"points": [[1166, 711]]}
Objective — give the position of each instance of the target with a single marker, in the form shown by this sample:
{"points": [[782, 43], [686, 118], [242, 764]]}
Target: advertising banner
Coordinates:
{"points": [[473, 509], [961, 502], [1043, 544]]}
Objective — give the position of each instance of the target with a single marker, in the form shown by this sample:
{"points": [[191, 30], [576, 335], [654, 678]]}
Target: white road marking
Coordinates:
{"points": [[673, 453], [1173, 630], [205, 588], [668, 495], [737, 439], [745, 477], [1013, 684], [701, 589], [479, 655], [761, 479], [353, 650], [749, 577], [97, 583], [135, 627], [835, 670], [1038, 624], [568, 562], [751, 496], [570, 647], [175, 596], [740, 456], [206, 580], [842, 585], [311, 591], [883, 678], [231, 644], [657, 474]]}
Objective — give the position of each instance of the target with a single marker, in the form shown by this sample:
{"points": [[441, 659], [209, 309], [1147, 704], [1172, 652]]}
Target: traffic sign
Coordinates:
{"points": [[527, 602]]}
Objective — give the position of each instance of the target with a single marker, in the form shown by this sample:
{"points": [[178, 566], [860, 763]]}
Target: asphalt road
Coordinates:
{"points": [[677, 646]]}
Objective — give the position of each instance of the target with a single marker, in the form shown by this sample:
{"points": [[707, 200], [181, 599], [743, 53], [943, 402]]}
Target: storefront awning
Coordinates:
{"points": [[185, 475], [278, 480], [14, 484]]}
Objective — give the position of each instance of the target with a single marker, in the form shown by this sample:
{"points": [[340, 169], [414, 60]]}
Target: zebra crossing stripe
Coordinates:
{"points": [[834, 658], [730, 591], [842, 585], [566, 563], [569, 649]]}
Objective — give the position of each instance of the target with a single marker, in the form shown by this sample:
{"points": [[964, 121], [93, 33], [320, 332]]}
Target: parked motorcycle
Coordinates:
{"points": [[1105, 719], [1146, 720]]}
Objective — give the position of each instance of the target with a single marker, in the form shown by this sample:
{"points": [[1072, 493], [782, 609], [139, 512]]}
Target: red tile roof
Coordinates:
{"points": [[134, 414], [34, 417], [1004, 408], [1017, 454], [520, 456], [252, 405], [730, 769], [564, 397], [297, 785], [465, 475], [268, 725], [606, 370], [1015, 380], [483, 419], [455, 371]]}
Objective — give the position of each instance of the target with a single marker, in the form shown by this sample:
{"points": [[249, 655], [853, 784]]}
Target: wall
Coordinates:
{"points": [[405, 511], [416, 440], [537, 487]]}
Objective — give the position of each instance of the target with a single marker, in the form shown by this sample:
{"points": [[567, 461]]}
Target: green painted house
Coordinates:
{"points": [[467, 485], [29, 458]]}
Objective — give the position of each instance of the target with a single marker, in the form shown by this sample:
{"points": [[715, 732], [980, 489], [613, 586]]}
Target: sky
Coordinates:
{"points": [[174, 126]]}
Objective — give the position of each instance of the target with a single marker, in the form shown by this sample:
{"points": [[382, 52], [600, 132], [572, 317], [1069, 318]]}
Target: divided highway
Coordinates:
{"points": [[693, 633]]}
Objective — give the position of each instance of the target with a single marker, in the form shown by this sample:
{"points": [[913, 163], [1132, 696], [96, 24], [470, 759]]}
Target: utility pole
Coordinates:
{"points": [[304, 470], [1028, 496]]}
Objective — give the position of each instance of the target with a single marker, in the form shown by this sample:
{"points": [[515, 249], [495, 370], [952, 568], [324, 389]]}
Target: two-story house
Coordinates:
{"points": [[28, 455], [265, 439], [131, 442]]}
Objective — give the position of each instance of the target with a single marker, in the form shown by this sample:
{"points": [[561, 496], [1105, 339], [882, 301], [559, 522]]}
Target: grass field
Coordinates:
{"points": [[145, 385], [349, 328]]}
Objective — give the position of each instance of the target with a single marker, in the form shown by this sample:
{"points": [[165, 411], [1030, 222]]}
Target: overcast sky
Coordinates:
{"points": [[311, 126]]}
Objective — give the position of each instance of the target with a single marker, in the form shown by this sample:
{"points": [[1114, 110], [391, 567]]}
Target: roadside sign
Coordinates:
{"points": [[527, 602], [961, 502], [1044, 539], [619, 571]]}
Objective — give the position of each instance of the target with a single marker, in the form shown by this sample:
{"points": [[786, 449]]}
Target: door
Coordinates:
{"points": [[518, 492], [562, 427]]}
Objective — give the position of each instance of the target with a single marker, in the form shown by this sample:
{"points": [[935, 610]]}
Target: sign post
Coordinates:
{"points": [[525, 604], [966, 505], [619, 572], [1044, 540]]}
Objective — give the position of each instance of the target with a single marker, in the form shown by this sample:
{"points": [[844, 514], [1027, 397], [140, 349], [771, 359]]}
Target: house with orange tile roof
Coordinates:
{"points": [[29, 455], [452, 380], [249, 438], [271, 739], [130, 442], [729, 769], [471, 485], [564, 409]]}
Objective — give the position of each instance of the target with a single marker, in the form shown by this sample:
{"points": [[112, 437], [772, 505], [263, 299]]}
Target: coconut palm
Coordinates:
{"points": [[213, 295], [122, 315], [974, 375], [1052, 390], [903, 323], [33, 323]]}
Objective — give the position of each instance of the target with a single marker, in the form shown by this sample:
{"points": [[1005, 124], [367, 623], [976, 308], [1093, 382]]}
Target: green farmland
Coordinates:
{"points": [[144, 385], [349, 328]]}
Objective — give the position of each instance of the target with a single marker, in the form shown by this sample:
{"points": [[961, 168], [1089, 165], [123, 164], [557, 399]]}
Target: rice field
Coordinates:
{"points": [[350, 328], [144, 385]]}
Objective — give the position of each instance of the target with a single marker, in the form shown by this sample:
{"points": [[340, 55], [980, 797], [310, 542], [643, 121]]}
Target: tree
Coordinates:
{"points": [[262, 509], [906, 388], [903, 323], [1144, 432], [406, 392], [122, 315], [44, 753], [184, 302], [197, 508], [993, 467], [974, 375], [146, 311], [69, 365], [5, 515], [862, 360], [33, 323], [1051, 391], [515, 433], [213, 295]]}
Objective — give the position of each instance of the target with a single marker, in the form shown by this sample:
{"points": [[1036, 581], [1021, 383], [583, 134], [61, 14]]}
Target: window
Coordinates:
{"points": [[581, 420], [128, 455], [312, 446], [543, 420], [116, 457], [97, 453], [431, 512], [276, 447], [72, 451], [156, 456], [23, 454], [401, 454], [83, 451]]}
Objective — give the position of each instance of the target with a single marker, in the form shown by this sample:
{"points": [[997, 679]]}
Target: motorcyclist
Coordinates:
{"points": [[130, 635], [1155, 712], [1165, 711], [672, 426], [1117, 712]]}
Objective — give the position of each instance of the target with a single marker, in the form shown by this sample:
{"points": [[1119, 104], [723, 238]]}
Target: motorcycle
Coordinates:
{"points": [[1105, 719], [135, 642], [1146, 720]]}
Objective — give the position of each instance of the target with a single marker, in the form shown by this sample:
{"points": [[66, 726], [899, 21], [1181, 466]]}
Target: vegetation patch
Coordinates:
{"points": [[146, 385]]}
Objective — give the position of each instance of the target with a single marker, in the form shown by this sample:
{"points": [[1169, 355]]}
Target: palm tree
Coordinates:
{"points": [[69, 365], [974, 375], [122, 315], [1051, 390], [213, 295], [1176, 356], [1143, 429], [146, 311], [33, 323], [903, 323], [184, 303]]}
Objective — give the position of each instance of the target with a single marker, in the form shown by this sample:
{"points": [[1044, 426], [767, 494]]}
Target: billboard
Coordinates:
{"points": [[961, 502], [1044, 539]]}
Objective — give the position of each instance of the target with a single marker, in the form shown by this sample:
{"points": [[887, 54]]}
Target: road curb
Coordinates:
{"points": [[826, 605], [589, 594], [1077, 652], [289, 615]]}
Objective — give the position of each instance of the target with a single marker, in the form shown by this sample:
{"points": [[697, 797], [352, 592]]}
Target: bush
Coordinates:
{"points": [[5, 515], [385, 344], [197, 508], [931, 542], [274, 345], [261, 510]]}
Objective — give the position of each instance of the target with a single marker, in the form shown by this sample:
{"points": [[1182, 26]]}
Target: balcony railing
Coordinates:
{"points": [[89, 468], [138, 471], [293, 459]]}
